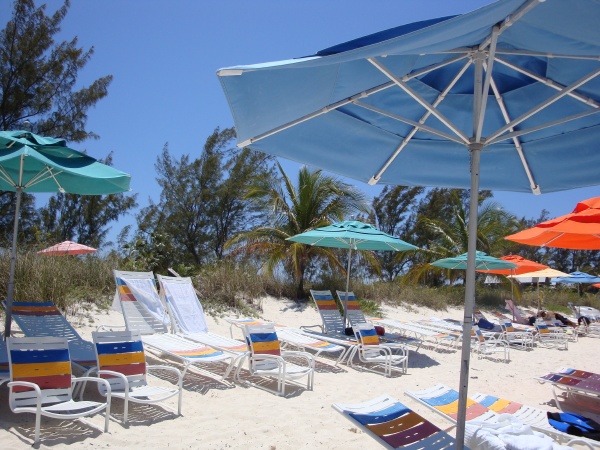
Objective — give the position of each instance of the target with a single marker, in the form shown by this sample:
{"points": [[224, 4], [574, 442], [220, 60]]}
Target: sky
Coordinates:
{"points": [[164, 54]]}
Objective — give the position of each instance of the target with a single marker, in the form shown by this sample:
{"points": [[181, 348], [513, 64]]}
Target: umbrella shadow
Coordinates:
{"points": [[421, 361]]}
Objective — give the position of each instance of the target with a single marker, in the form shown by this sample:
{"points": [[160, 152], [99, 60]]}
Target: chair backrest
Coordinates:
{"points": [[44, 319], [508, 327], [328, 309], [185, 310], [262, 339], [478, 315], [367, 336], [44, 361], [353, 311], [140, 303], [478, 334], [542, 329], [122, 352]]}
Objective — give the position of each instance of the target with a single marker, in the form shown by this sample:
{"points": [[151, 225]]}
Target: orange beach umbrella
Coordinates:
{"points": [[579, 230], [523, 266]]}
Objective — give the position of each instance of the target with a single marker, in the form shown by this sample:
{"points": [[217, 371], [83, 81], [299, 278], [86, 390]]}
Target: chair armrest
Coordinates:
{"points": [[28, 384], [95, 380], [111, 327], [304, 327], [310, 359], [172, 369]]}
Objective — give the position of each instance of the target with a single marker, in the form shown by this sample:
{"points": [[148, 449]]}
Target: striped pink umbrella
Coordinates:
{"points": [[67, 248]]}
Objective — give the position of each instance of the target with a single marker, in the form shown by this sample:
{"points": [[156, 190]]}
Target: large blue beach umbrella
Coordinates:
{"points": [[32, 163], [503, 98], [352, 235], [578, 278]]}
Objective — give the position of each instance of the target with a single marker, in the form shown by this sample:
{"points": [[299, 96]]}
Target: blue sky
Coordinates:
{"points": [[163, 55]]}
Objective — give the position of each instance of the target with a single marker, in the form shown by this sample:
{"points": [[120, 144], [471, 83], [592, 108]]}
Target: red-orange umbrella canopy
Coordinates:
{"points": [[579, 230], [523, 266], [67, 248]]}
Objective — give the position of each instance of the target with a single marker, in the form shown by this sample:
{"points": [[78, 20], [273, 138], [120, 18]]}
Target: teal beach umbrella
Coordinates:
{"points": [[483, 261], [353, 235], [32, 163]]}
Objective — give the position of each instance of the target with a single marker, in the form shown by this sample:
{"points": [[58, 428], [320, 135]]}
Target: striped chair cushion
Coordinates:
{"points": [[368, 336], [124, 357], [264, 343], [35, 309], [49, 369]]}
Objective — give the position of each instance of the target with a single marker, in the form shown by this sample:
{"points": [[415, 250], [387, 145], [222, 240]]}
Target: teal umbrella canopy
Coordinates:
{"points": [[42, 164], [32, 163], [483, 261], [352, 234], [578, 277]]}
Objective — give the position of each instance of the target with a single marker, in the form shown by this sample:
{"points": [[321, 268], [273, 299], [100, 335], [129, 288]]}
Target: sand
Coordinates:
{"points": [[220, 416]]}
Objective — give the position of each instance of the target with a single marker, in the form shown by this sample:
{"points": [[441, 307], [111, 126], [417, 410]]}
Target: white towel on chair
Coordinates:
{"points": [[507, 433]]}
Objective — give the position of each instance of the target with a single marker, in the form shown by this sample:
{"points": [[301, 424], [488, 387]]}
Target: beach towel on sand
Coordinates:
{"points": [[507, 433]]}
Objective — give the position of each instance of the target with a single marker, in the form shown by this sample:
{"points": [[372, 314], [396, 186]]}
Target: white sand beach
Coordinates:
{"points": [[217, 416]]}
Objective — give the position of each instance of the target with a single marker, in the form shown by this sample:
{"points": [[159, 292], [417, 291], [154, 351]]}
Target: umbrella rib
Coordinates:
{"points": [[520, 52], [512, 18], [493, 40], [549, 82], [374, 179], [418, 126], [546, 103], [424, 103], [6, 177], [532, 183]]}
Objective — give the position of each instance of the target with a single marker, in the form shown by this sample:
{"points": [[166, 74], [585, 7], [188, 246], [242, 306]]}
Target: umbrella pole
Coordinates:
{"points": [[347, 286], [469, 299], [13, 263]]}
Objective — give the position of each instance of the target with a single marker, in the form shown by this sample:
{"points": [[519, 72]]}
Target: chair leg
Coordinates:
{"points": [[38, 422], [107, 412]]}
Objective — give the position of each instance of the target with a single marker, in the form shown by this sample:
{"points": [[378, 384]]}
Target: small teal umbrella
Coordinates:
{"points": [[483, 261], [353, 235], [32, 163]]}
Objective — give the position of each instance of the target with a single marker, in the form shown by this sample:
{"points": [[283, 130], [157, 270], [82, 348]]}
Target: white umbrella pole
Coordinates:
{"points": [[347, 286], [469, 299], [13, 264]]}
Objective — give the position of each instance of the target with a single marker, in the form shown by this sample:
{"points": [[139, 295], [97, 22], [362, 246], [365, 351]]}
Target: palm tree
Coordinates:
{"points": [[317, 200], [451, 235]]}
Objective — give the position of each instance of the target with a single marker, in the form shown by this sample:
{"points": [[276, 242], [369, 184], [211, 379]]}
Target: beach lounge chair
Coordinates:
{"points": [[41, 319], [490, 346], [329, 312], [121, 361], [421, 332], [265, 358], [41, 382], [356, 317], [521, 339], [394, 425], [300, 339], [550, 339], [444, 401], [536, 418], [571, 387], [371, 352], [576, 373], [188, 319], [144, 313], [517, 316]]}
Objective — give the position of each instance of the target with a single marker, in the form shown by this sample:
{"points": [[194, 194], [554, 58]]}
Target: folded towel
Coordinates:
{"points": [[507, 433]]}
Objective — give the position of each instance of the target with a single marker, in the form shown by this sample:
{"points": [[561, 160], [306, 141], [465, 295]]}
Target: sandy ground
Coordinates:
{"points": [[221, 416]]}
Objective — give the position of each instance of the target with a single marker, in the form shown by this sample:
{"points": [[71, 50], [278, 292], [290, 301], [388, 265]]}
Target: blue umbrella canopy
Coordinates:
{"points": [[578, 277], [483, 261], [32, 163], [354, 235], [504, 98]]}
